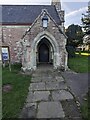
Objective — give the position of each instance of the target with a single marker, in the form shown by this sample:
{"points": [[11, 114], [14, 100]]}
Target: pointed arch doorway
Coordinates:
{"points": [[49, 40], [45, 51]]}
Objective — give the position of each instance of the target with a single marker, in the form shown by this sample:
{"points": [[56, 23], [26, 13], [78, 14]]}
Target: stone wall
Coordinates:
{"points": [[11, 35]]}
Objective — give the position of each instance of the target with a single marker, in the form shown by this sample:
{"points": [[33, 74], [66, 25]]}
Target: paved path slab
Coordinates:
{"points": [[52, 85], [48, 92], [38, 96], [50, 110], [37, 86], [61, 95], [41, 95]]}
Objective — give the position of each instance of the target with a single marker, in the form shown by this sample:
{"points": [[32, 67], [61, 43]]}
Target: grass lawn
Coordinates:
{"points": [[13, 100], [85, 108], [79, 64]]}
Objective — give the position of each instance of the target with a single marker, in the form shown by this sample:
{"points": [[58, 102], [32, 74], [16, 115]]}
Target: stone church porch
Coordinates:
{"points": [[44, 50]]}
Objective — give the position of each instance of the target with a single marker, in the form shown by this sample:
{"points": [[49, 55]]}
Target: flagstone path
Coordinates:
{"points": [[50, 97]]}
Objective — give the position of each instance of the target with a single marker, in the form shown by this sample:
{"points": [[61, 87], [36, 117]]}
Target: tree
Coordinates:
{"points": [[86, 20], [86, 25], [75, 35]]}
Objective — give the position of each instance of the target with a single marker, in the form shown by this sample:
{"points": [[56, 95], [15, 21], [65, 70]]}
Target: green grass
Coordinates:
{"points": [[79, 64], [85, 108], [13, 101]]}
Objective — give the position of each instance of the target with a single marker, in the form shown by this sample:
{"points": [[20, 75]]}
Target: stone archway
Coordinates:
{"points": [[52, 41]]}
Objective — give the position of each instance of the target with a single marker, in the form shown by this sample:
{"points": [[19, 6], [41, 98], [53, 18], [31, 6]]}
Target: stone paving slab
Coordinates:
{"points": [[59, 78], [29, 111], [36, 79], [52, 85], [38, 96], [36, 75], [30, 97], [47, 79], [55, 85], [41, 95], [37, 86], [50, 110], [61, 95], [62, 85], [31, 104]]}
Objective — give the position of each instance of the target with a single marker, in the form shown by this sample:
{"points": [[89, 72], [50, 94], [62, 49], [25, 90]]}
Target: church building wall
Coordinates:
{"points": [[11, 35], [23, 40]]}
